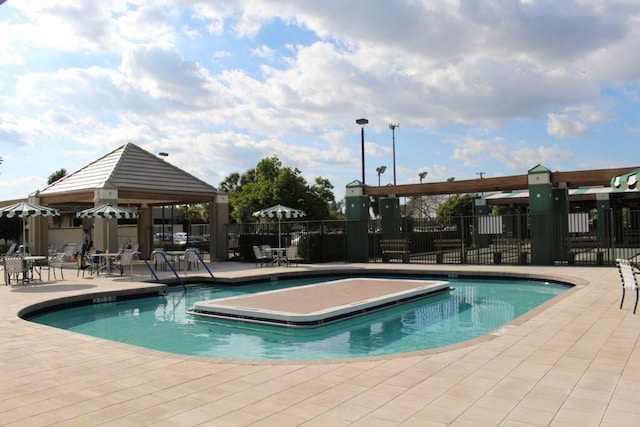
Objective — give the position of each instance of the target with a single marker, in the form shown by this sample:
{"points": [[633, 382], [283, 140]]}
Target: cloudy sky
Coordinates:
{"points": [[476, 86]]}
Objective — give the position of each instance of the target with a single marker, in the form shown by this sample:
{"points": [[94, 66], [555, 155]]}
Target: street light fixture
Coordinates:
{"points": [[380, 170], [362, 122], [393, 127], [422, 176]]}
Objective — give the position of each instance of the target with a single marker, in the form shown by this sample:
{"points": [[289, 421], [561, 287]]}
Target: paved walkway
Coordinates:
{"points": [[572, 362]]}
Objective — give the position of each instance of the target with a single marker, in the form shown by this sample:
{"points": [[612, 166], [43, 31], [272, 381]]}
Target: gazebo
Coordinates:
{"points": [[137, 179]]}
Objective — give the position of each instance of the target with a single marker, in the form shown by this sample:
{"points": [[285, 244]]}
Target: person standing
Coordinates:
{"points": [[86, 245]]}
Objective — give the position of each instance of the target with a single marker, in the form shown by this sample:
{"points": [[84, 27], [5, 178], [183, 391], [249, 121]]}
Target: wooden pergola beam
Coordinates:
{"points": [[584, 178]]}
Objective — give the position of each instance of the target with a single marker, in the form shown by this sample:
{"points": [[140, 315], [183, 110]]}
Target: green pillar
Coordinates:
{"points": [[560, 222], [480, 208], [391, 221], [357, 210], [541, 214], [603, 205]]}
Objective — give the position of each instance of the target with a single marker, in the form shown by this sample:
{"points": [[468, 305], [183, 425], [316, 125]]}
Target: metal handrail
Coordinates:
{"points": [[164, 256], [141, 257], [193, 250]]}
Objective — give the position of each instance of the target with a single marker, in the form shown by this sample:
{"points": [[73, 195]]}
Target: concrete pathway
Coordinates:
{"points": [[573, 362]]}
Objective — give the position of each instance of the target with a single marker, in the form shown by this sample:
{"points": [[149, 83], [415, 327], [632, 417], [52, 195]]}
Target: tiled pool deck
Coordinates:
{"points": [[573, 362]]}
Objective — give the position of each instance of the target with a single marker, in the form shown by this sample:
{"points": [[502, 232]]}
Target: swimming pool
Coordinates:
{"points": [[473, 308]]}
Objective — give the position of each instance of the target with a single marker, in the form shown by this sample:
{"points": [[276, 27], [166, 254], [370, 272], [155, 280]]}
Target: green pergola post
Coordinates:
{"points": [[560, 222], [357, 211], [480, 208], [391, 220], [603, 205], [541, 214]]}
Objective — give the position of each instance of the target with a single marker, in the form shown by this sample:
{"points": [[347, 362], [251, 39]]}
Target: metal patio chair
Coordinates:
{"points": [[629, 281]]}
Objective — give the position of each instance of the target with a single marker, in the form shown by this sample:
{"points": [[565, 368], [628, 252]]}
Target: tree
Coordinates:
{"points": [[456, 205], [271, 183], [424, 206], [57, 175]]}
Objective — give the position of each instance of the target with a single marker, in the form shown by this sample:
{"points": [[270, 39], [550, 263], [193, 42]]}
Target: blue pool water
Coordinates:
{"points": [[474, 308]]}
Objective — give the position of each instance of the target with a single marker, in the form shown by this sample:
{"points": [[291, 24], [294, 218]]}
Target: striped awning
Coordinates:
{"points": [[626, 182], [524, 194], [107, 211]]}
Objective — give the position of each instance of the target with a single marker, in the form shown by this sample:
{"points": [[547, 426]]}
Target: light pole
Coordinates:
{"points": [[380, 170], [421, 175], [362, 122], [393, 127]]}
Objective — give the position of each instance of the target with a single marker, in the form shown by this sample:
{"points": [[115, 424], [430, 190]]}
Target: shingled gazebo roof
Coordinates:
{"points": [[139, 177]]}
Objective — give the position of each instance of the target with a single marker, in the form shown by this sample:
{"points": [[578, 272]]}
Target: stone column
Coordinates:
{"points": [[38, 226], [100, 229], [218, 220], [145, 230]]}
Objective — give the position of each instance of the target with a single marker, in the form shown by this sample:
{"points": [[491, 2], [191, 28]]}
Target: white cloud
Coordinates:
{"points": [[202, 74], [563, 125]]}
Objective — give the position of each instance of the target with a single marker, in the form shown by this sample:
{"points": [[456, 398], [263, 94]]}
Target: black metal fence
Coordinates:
{"points": [[574, 239]]}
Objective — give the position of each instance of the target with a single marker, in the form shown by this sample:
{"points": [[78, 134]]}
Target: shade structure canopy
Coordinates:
{"points": [[279, 211], [107, 211], [25, 210], [626, 181]]}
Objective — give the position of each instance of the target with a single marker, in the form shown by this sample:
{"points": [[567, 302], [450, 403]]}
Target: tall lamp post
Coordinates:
{"points": [[393, 127], [362, 122], [380, 170], [422, 176]]}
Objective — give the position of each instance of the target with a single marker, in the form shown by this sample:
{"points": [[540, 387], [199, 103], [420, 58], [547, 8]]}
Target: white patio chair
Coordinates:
{"points": [[260, 256], [629, 281], [191, 259], [15, 269], [124, 260], [292, 255], [55, 261]]}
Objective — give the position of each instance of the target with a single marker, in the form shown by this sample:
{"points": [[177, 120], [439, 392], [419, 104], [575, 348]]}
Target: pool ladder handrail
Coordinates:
{"points": [[141, 257], [166, 262], [193, 250]]}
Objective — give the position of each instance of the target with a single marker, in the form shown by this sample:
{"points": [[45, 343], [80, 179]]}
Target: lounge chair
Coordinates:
{"points": [[629, 281]]}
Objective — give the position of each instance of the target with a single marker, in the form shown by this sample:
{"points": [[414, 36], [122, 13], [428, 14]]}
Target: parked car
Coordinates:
{"points": [[160, 237], [180, 238]]}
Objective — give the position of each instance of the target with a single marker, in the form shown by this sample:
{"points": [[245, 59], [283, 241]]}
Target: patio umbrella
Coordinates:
{"points": [[279, 211], [24, 210], [107, 211]]}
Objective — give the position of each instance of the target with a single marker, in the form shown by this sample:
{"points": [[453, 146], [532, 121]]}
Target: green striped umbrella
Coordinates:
{"points": [[279, 211], [25, 210], [107, 211]]}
